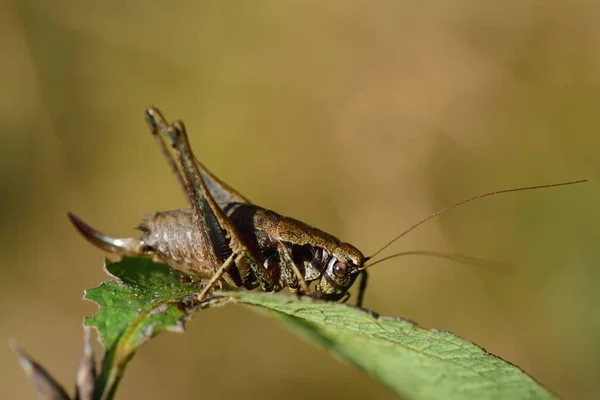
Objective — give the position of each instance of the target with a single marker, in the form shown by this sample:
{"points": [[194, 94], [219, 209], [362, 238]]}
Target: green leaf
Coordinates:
{"points": [[145, 301], [413, 362]]}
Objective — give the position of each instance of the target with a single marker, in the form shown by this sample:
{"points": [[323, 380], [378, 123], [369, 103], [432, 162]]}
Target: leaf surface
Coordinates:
{"points": [[415, 363], [146, 300]]}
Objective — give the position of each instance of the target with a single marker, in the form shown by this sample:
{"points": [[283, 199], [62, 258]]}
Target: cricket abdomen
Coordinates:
{"points": [[172, 236]]}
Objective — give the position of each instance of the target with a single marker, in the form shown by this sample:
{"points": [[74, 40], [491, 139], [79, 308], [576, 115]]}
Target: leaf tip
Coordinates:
{"points": [[45, 385]]}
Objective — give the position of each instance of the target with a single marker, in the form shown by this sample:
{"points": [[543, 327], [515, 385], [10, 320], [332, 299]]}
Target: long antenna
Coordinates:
{"points": [[443, 210], [460, 258]]}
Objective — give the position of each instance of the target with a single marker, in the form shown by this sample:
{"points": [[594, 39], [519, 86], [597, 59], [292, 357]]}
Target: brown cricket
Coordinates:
{"points": [[224, 237]]}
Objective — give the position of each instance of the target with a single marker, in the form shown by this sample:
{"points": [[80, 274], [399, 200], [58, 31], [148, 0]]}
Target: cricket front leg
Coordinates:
{"points": [[362, 287], [290, 270]]}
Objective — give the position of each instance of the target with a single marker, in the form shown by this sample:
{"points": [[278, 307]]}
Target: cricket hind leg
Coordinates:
{"points": [[221, 191], [124, 247], [167, 140], [199, 190], [204, 204], [156, 122]]}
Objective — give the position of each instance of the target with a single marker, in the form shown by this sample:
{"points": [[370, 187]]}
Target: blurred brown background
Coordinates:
{"points": [[359, 117]]}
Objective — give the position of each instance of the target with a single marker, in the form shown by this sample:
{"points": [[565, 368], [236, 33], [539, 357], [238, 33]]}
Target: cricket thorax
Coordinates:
{"points": [[278, 241]]}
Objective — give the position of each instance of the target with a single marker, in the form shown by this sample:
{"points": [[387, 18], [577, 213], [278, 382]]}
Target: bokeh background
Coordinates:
{"points": [[359, 117]]}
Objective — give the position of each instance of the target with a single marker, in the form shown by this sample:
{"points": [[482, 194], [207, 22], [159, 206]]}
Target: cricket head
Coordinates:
{"points": [[343, 267]]}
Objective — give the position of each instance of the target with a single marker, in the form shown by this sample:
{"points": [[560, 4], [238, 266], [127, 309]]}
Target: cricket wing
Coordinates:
{"points": [[219, 190]]}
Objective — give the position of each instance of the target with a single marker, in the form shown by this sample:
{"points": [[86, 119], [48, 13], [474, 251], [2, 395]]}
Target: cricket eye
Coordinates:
{"points": [[340, 269]]}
